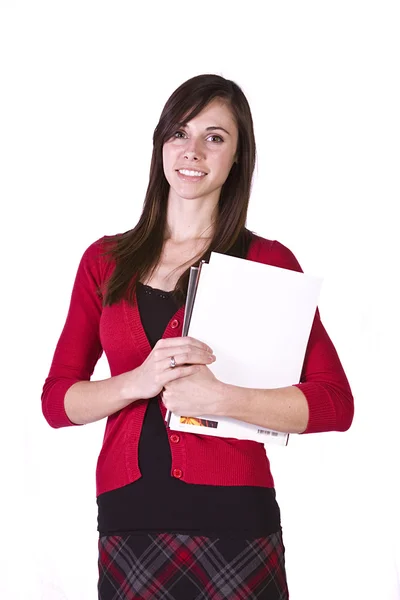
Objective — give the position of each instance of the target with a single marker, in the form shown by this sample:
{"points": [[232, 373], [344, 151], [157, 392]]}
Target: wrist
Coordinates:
{"points": [[234, 401], [128, 387], [225, 398]]}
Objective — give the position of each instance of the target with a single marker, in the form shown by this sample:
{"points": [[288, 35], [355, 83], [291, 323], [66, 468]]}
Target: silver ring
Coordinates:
{"points": [[172, 362]]}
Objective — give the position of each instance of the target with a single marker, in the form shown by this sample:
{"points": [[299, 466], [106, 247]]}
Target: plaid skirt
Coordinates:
{"points": [[169, 566]]}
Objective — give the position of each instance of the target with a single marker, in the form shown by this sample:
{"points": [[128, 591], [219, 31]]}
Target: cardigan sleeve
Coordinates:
{"points": [[79, 347], [323, 380]]}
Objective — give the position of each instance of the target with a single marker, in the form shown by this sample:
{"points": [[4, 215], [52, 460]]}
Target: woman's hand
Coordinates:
{"points": [[201, 393], [155, 372]]}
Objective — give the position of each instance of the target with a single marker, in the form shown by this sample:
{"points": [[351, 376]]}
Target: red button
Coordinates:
{"points": [[174, 438], [174, 323], [177, 473]]}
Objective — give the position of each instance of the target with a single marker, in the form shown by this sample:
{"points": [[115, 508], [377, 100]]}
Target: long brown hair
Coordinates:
{"points": [[136, 252]]}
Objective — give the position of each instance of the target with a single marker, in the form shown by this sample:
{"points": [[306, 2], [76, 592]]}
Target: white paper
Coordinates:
{"points": [[257, 319]]}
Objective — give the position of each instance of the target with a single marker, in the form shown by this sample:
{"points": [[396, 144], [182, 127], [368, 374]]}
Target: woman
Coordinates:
{"points": [[183, 516]]}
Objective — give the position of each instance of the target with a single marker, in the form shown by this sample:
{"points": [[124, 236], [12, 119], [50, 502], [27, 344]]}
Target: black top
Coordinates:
{"points": [[158, 502]]}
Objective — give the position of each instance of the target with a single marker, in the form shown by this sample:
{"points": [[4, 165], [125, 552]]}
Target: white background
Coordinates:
{"points": [[82, 87]]}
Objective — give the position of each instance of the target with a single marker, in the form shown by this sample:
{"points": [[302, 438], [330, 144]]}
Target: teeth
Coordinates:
{"points": [[191, 173]]}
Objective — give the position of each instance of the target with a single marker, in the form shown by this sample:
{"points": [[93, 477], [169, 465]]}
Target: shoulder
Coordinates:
{"points": [[272, 252], [101, 248], [97, 257]]}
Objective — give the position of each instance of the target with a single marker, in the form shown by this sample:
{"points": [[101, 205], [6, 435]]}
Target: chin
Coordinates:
{"points": [[189, 196]]}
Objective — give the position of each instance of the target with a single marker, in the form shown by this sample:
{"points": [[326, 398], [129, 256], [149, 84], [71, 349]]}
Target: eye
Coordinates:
{"points": [[217, 139], [179, 134]]}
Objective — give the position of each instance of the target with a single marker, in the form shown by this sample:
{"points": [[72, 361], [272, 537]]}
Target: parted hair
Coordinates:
{"points": [[137, 252]]}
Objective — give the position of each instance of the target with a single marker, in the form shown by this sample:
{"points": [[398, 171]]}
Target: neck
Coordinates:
{"points": [[190, 219]]}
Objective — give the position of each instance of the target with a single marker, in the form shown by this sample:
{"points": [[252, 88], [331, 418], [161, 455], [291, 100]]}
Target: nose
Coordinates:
{"points": [[191, 155], [192, 150]]}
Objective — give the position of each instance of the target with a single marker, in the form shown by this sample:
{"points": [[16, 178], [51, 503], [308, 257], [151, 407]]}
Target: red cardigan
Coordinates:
{"points": [[91, 328]]}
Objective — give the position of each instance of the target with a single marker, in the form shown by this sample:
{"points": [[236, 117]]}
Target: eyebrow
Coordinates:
{"points": [[211, 128], [216, 127]]}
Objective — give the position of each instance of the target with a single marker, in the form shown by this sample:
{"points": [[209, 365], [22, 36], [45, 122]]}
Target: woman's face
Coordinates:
{"points": [[198, 157]]}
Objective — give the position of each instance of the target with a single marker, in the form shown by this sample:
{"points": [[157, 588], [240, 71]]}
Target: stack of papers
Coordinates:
{"points": [[257, 319]]}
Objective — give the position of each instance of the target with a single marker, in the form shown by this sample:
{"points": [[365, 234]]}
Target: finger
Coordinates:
{"points": [[188, 357], [184, 354], [178, 373], [165, 343]]}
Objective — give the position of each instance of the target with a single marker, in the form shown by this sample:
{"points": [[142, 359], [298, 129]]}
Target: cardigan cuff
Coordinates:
{"points": [[53, 406], [322, 414]]}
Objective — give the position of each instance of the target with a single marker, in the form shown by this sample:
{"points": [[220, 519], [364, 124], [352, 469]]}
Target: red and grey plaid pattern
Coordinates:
{"points": [[181, 567]]}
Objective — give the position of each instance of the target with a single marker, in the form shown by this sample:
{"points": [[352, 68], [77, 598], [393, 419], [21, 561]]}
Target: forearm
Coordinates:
{"points": [[89, 401], [284, 409]]}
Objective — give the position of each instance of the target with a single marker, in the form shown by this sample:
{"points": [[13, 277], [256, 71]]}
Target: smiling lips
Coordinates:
{"points": [[190, 175]]}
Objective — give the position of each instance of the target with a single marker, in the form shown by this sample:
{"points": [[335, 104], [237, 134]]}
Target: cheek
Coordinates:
{"points": [[165, 155], [224, 166], [167, 162], [169, 157]]}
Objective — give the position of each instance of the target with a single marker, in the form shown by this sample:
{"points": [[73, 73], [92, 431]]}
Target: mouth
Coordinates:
{"points": [[191, 175]]}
